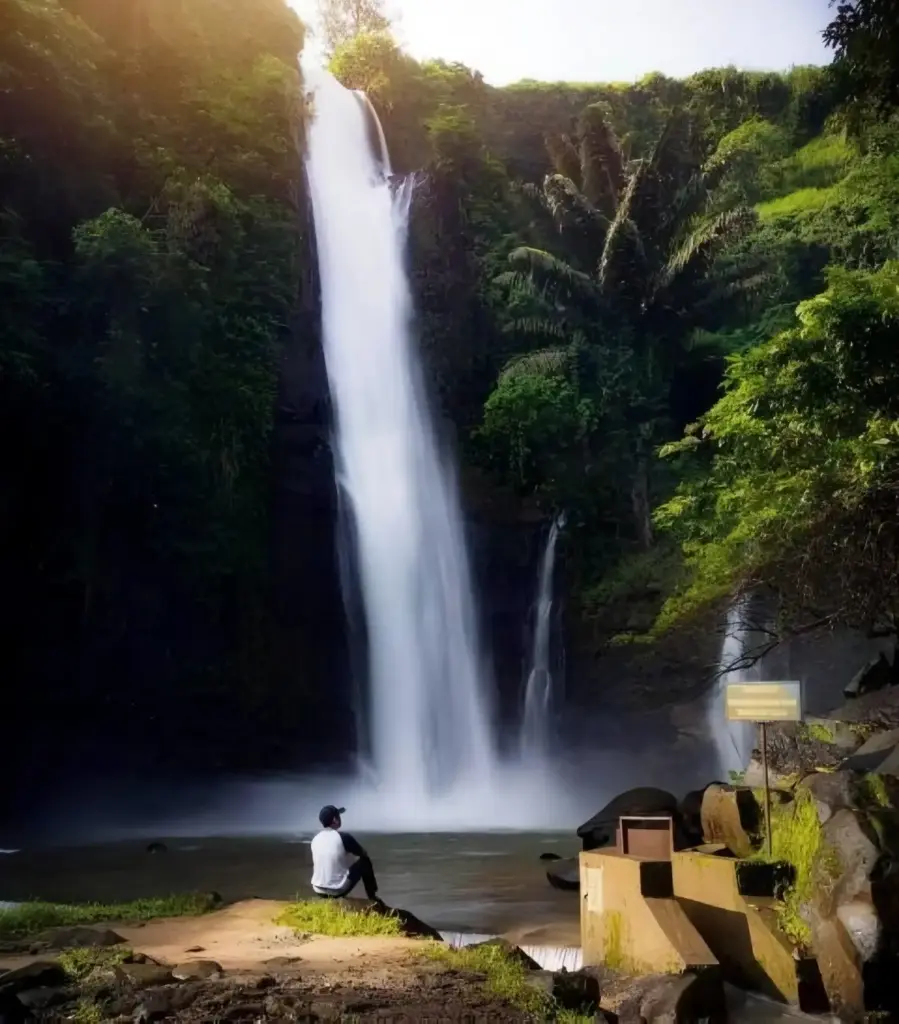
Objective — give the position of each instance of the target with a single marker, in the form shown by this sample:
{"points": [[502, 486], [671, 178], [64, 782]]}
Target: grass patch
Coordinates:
{"points": [[797, 839], [505, 978], [819, 733], [804, 202], [88, 1012], [81, 963], [30, 918], [331, 917]]}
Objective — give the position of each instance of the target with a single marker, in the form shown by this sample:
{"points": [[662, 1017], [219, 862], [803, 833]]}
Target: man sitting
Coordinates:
{"points": [[338, 862]]}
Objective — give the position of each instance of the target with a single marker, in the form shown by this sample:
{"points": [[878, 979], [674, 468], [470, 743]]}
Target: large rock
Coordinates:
{"points": [[143, 975], [849, 925], [197, 970], [879, 753], [730, 815], [37, 974], [578, 990], [676, 999], [565, 874], [78, 937], [599, 831]]}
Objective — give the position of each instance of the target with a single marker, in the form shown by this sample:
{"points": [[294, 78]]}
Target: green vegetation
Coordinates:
{"points": [[797, 840], [332, 917], [665, 306], [87, 1011], [819, 732], [81, 963], [504, 977], [31, 918]]}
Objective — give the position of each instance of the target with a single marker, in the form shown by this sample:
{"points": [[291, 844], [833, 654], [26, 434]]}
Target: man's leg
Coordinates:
{"points": [[362, 871]]}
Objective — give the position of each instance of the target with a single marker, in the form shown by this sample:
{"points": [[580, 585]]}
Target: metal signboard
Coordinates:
{"points": [[764, 702]]}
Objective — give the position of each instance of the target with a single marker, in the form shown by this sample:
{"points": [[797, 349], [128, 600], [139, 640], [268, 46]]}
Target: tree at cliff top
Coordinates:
{"points": [[865, 38], [342, 20], [631, 277], [802, 493], [148, 272]]}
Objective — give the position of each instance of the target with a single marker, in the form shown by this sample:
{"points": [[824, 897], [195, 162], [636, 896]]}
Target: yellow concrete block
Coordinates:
{"points": [[629, 920], [741, 931]]}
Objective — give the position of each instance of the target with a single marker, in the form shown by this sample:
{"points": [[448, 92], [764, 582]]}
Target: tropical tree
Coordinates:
{"points": [[800, 494], [343, 20], [633, 277]]}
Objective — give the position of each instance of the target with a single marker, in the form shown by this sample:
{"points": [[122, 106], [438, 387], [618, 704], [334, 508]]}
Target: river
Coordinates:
{"points": [[480, 882]]}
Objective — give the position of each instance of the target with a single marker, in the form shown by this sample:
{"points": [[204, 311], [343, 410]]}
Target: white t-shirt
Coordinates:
{"points": [[330, 861]]}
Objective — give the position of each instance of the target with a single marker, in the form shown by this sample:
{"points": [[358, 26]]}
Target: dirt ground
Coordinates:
{"points": [[272, 974]]}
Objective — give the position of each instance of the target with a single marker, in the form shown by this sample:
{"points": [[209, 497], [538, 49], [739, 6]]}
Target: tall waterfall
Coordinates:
{"points": [[427, 715], [734, 741], [538, 692]]}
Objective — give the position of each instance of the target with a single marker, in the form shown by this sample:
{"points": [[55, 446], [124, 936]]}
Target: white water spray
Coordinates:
{"points": [[734, 741], [428, 717], [539, 687]]}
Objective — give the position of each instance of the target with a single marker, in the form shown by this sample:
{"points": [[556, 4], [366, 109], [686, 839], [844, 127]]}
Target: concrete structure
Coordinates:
{"points": [[630, 920], [731, 904]]}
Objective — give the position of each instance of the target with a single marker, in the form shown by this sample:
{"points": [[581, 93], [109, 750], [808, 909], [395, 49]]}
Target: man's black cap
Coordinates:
{"points": [[327, 814]]}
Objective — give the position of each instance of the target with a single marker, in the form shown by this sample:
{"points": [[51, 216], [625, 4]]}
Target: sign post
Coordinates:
{"points": [[761, 703]]}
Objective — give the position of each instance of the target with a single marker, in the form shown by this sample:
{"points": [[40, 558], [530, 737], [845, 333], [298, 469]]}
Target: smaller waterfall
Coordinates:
{"points": [[734, 741], [538, 691]]}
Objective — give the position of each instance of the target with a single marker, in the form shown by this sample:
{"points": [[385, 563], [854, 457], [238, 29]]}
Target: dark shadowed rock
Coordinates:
{"points": [[676, 999], [12, 1011], [33, 975], [41, 998], [565, 874], [157, 848], [599, 831], [78, 937]]}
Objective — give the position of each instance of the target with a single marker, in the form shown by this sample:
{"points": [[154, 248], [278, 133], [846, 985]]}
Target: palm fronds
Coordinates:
{"points": [[601, 161], [563, 156], [549, 362]]}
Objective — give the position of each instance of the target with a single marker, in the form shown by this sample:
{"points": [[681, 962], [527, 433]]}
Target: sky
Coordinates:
{"points": [[608, 40]]}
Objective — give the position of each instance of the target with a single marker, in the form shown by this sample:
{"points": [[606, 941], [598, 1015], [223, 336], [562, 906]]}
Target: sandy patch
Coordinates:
{"points": [[243, 937]]}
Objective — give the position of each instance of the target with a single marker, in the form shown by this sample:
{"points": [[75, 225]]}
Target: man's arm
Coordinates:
{"points": [[351, 846]]}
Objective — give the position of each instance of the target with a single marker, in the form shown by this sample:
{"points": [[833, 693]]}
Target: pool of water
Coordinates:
{"points": [[478, 882]]}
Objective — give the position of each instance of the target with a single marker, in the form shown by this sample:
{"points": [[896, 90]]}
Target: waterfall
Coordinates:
{"points": [[734, 741], [427, 713], [538, 691]]}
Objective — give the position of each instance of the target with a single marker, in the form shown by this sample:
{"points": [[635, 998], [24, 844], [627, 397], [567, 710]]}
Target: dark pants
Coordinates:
{"points": [[360, 871]]}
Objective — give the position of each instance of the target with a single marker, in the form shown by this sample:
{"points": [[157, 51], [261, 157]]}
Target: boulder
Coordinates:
{"points": [[78, 937], [848, 932], [143, 975], [38, 974], [730, 815], [600, 830], [565, 874], [831, 791], [676, 999], [12, 1011], [875, 675], [197, 970], [879, 753], [577, 990], [41, 998]]}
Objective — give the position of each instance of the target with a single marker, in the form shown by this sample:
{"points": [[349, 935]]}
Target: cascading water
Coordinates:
{"points": [[427, 713], [538, 691], [734, 741]]}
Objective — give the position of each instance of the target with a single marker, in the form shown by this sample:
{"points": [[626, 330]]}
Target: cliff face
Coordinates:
{"points": [[313, 670]]}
